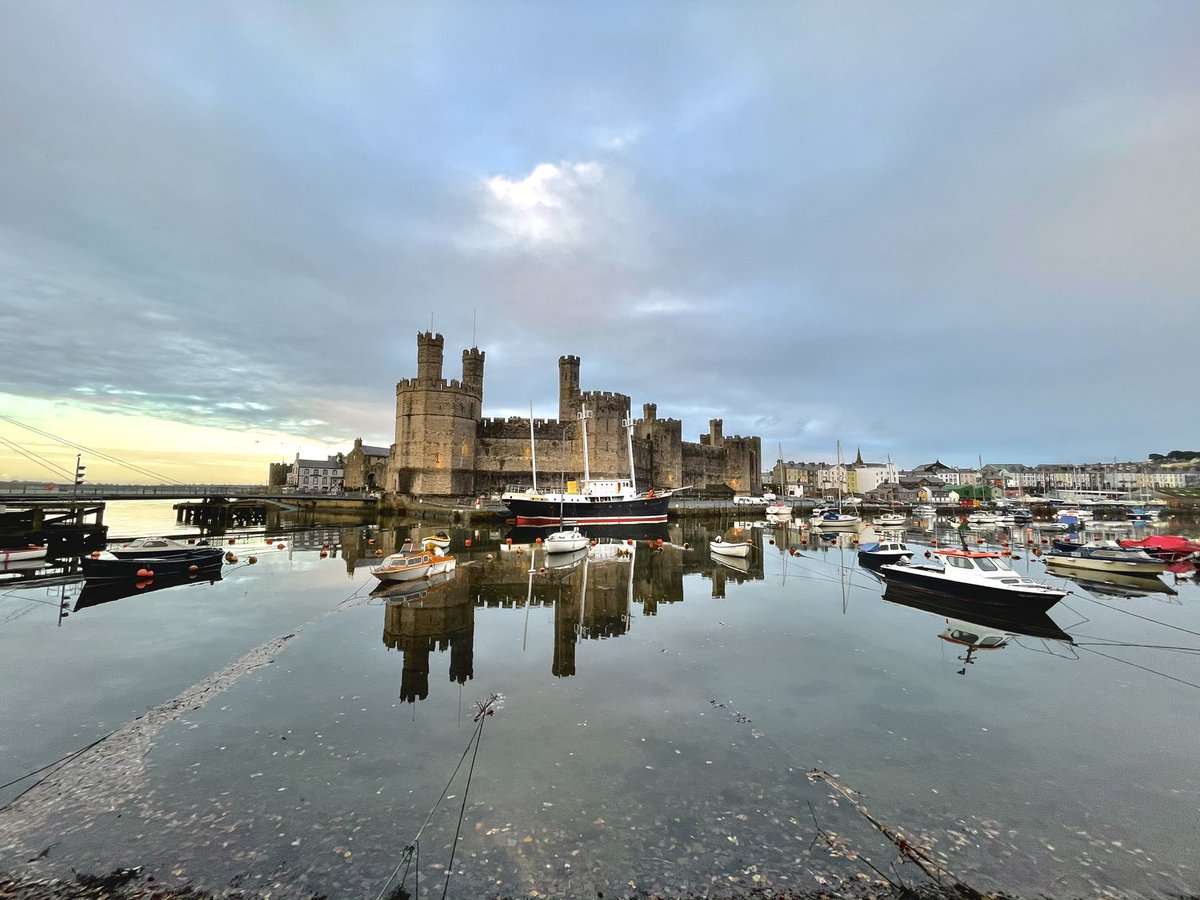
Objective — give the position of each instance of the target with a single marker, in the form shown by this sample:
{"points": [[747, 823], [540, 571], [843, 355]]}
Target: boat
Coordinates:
{"points": [[981, 518], [878, 553], [22, 554], [888, 520], [834, 517], [439, 540], [738, 549], [1104, 556], [1141, 514], [976, 576], [567, 541], [590, 502], [146, 547], [100, 566], [924, 511], [406, 566], [1167, 547], [779, 510]]}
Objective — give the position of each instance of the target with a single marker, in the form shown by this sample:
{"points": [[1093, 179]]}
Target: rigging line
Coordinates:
{"points": [[99, 453], [1136, 616], [30, 455], [416, 839], [1143, 668], [463, 809], [1105, 642]]}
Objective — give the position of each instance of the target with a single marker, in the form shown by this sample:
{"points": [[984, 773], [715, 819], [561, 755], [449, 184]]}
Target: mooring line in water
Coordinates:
{"points": [[413, 850], [1143, 668], [1136, 616], [909, 851]]}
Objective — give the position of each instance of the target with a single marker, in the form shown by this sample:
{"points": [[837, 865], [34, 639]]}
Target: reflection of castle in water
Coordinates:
{"points": [[593, 595], [424, 617]]}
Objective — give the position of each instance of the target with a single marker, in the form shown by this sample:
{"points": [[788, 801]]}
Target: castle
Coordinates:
{"points": [[445, 448]]}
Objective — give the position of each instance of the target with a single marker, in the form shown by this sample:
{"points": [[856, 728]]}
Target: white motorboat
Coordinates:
{"points": [[406, 566], [440, 541], [888, 520], [923, 511], [1104, 556], [730, 548], [565, 541], [976, 576], [878, 553]]}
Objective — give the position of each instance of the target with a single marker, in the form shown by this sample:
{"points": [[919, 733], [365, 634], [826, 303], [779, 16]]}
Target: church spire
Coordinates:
{"points": [[858, 460]]}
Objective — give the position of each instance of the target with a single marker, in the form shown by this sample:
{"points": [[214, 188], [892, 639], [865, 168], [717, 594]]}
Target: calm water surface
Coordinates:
{"points": [[659, 714]]}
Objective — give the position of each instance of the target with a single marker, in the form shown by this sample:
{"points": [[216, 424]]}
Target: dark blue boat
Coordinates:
{"points": [[193, 562]]}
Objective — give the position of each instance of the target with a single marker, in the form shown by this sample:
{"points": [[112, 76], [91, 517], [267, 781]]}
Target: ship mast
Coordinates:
{"points": [[584, 415], [628, 423]]}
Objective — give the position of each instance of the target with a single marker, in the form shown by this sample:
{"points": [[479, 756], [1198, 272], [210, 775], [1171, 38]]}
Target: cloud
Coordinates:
{"points": [[554, 205]]}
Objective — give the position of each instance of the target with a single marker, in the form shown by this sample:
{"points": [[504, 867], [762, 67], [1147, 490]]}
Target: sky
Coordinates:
{"points": [[927, 230]]}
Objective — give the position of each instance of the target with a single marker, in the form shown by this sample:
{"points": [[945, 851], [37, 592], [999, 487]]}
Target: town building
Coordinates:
{"points": [[317, 476], [444, 447]]}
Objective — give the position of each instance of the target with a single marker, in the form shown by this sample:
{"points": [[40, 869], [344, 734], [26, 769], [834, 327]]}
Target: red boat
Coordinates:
{"points": [[1167, 547]]}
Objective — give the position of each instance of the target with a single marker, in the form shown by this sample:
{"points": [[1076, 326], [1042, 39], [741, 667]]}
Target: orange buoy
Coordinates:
{"points": [[538, 541], [252, 559], [144, 573], [280, 545], [659, 542], [629, 541], [370, 541], [508, 541], [379, 553], [95, 554]]}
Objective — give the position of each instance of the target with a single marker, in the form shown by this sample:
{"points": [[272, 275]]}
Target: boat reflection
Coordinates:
{"points": [[974, 628], [1112, 584], [95, 593]]}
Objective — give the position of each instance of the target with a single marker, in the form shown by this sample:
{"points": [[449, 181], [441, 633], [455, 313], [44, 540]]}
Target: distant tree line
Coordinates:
{"points": [[1175, 455]]}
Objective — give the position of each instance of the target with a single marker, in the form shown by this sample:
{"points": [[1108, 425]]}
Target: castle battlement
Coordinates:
{"points": [[452, 386], [445, 447]]}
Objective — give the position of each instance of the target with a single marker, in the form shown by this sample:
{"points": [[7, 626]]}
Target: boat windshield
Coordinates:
{"points": [[988, 565], [959, 562]]}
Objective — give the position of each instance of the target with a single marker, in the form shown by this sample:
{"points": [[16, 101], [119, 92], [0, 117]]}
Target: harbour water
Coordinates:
{"points": [[658, 715]]}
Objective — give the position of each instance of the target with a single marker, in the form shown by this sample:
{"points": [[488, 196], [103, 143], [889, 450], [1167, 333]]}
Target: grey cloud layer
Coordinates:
{"points": [[885, 224]]}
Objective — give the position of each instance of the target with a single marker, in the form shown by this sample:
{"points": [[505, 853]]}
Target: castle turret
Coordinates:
{"points": [[429, 357], [473, 371], [568, 388], [649, 412], [716, 436]]}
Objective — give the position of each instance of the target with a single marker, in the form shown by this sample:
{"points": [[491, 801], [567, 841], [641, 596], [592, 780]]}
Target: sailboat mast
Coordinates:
{"points": [[584, 415], [532, 447], [628, 423]]}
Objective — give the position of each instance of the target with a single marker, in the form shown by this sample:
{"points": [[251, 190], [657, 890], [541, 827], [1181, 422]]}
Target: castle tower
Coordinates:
{"points": [[473, 371], [568, 389], [436, 425], [429, 357], [716, 436], [649, 412]]}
